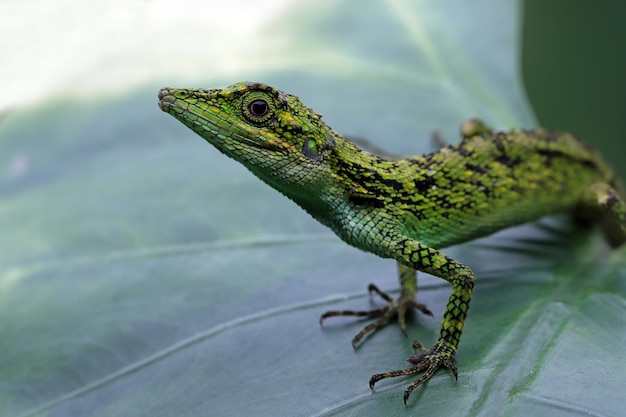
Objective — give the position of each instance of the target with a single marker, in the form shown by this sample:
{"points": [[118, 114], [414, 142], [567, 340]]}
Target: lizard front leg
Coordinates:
{"points": [[397, 308], [429, 260]]}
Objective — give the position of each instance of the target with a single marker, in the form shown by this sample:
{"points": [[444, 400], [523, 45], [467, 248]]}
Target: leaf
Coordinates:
{"points": [[143, 273]]}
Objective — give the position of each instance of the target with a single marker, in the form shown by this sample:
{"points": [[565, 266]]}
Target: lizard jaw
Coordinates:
{"points": [[180, 109]]}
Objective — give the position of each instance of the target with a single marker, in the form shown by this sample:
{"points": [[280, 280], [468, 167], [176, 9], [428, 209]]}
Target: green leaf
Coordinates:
{"points": [[144, 273]]}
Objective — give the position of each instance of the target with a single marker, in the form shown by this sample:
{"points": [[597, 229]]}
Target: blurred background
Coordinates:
{"points": [[574, 61]]}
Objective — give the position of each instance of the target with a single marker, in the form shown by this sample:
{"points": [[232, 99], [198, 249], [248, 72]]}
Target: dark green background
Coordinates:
{"points": [[574, 68]]}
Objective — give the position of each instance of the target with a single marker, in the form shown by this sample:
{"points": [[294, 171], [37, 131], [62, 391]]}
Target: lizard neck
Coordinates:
{"points": [[336, 188]]}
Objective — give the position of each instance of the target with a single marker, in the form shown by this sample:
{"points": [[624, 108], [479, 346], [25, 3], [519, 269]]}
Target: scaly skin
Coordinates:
{"points": [[406, 209]]}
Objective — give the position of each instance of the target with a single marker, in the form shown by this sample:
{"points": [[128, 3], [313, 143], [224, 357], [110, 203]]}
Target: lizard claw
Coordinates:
{"points": [[397, 308], [428, 361]]}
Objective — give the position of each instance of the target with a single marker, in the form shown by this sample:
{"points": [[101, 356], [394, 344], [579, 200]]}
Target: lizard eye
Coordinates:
{"points": [[258, 108]]}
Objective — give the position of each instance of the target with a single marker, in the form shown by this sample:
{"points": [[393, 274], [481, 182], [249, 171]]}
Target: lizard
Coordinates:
{"points": [[406, 208]]}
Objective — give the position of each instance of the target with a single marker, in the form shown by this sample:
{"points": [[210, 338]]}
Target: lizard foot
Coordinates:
{"points": [[396, 308], [428, 361]]}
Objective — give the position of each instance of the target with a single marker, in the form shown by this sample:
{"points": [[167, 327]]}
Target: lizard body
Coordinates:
{"points": [[406, 208]]}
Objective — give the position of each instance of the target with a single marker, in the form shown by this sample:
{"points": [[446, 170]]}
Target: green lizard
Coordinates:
{"points": [[407, 208]]}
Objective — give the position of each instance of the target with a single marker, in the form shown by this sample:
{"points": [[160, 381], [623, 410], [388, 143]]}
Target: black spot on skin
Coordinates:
{"points": [[506, 160], [295, 130], [499, 139], [366, 200], [503, 157], [425, 185], [396, 185], [421, 162], [475, 168], [462, 150], [552, 154], [590, 164]]}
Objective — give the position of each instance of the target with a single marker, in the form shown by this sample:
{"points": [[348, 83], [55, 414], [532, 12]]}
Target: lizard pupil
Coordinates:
{"points": [[259, 108]]}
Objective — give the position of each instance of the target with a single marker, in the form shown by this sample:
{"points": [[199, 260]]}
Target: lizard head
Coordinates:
{"points": [[270, 132]]}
